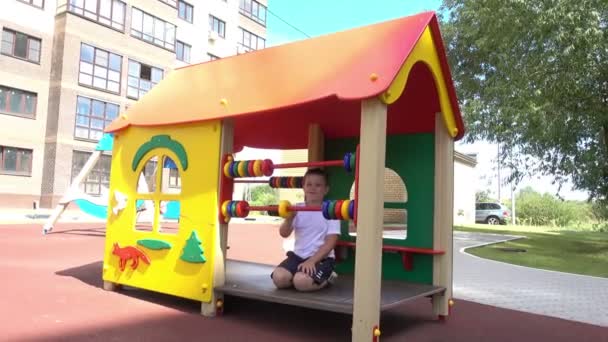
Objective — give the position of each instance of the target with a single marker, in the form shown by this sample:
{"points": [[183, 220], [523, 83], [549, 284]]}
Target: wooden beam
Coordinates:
{"points": [[368, 259], [443, 215], [316, 143], [221, 237]]}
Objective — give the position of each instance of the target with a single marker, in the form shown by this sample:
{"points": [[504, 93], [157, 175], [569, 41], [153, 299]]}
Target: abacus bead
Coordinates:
{"points": [[234, 169], [267, 167], [347, 162], [331, 209], [338, 209], [257, 168], [344, 210], [227, 170], [241, 168], [284, 208], [325, 209], [225, 208], [250, 172]]}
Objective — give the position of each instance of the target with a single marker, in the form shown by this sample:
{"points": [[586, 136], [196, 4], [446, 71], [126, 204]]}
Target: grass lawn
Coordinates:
{"points": [[580, 252]]}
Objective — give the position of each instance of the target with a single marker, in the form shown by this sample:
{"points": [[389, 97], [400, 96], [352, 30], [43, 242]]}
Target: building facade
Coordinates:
{"points": [[69, 67]]}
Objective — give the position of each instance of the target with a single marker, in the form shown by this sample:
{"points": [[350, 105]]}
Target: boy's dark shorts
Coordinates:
{"points": [[324, 268]]}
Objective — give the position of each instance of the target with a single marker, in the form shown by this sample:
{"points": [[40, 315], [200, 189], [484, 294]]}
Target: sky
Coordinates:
{"points": [[292, 20]]}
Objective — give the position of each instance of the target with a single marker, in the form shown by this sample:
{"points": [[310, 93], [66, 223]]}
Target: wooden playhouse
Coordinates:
{"points": [[375, 97]]}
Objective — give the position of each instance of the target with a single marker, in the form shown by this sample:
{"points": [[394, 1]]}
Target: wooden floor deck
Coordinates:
{"points": [[252, 280]]}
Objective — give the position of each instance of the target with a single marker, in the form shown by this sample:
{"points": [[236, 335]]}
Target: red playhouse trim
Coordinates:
{"points": [[226, 187], [374, 335], [406, 252], [290, 208], [310, 164], [250, 181]]}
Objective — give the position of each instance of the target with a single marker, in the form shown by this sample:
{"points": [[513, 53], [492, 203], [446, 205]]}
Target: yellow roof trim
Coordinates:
{"points": [[424, 51]]}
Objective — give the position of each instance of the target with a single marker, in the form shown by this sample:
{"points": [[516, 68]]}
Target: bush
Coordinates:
{"points": [[264, 195], [537, 209]]}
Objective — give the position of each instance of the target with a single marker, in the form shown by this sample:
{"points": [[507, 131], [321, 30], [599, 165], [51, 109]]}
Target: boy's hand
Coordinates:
{"points": [[307, 267]]}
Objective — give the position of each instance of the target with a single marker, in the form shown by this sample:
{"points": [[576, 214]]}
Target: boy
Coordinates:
{"points": [[311, 264]]}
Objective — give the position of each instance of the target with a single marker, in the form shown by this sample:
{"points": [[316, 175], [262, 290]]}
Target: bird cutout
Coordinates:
{"points": [[121, 202]]}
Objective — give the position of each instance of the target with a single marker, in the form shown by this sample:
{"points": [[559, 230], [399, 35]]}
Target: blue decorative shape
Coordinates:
{"points": [[170, 164], [100, 211], [172, 211], [106, 143]]}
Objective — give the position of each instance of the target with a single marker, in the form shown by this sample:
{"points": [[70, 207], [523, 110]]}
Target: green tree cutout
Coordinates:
{"points": [[193, 252]]}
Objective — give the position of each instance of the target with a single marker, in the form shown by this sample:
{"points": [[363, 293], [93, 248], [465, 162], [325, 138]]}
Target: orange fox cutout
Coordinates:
{"points": [[129, 253]]}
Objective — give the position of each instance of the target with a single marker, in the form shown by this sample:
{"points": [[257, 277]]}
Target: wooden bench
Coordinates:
{"points": [[406, 252]]}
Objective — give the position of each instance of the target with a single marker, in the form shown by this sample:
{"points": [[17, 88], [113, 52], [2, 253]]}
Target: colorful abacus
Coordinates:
{"points": [[331, 209], [248, 168], [235, 208], [338, 209], [259, 167], [285, 182]]}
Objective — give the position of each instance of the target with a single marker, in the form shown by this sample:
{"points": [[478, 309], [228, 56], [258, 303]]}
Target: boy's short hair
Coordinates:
{"points": [[318, 172]]}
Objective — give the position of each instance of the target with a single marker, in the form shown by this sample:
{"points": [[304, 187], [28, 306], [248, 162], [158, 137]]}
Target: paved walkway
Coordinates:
{"points": [[556, 294]]}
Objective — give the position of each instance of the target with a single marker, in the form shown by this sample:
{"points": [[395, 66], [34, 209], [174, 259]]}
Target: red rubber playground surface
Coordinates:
{"points": [[51, 291]]}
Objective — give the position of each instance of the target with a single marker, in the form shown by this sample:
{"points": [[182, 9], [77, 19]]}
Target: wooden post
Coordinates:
{"points": [[316, 143], [368, 259], [443, 215], [221, 236]]}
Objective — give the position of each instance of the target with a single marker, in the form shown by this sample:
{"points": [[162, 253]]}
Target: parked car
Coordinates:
{"points": [[491, 213]]}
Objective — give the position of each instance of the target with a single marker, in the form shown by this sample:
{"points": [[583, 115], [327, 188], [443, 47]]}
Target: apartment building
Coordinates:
{"points": [[69, 67]]}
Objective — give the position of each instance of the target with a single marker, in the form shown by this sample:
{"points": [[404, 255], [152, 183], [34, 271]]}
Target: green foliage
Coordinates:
{"points": [[537, 209], [532, 76], [483, 196], [264, 195]]}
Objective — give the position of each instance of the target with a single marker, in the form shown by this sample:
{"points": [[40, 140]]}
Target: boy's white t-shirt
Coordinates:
{"points": [[310, 229]]}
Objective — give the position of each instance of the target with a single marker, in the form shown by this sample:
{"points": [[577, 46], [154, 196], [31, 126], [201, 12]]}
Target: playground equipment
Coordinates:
{"points": [[97, 206], [382, 90]]}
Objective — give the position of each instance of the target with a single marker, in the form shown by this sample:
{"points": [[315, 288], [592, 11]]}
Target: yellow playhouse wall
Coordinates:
{"points": [[167, 273]]}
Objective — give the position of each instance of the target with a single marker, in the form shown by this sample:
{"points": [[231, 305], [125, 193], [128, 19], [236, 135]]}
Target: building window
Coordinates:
{"points": [[99, 69], [152, 29], [18, 102], [175, 181], [92, 116], [253, 10], [251, 41], [184, 11], [98, 180], [142, 78], [107, 12], [218, 26], [20, 45], [35, 3], [182, 51], [172, 3], [15, 161], [212, 57]]}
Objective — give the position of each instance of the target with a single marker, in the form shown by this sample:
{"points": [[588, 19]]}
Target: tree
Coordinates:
{"points": [[264, 195], [532, 75], [483, 196]]}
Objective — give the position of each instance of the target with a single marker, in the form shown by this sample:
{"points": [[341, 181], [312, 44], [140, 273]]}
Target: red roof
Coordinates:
{"points": [[274, 93]]}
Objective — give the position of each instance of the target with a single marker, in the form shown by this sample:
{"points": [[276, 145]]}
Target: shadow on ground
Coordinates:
{"points": [[95, 232]]}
